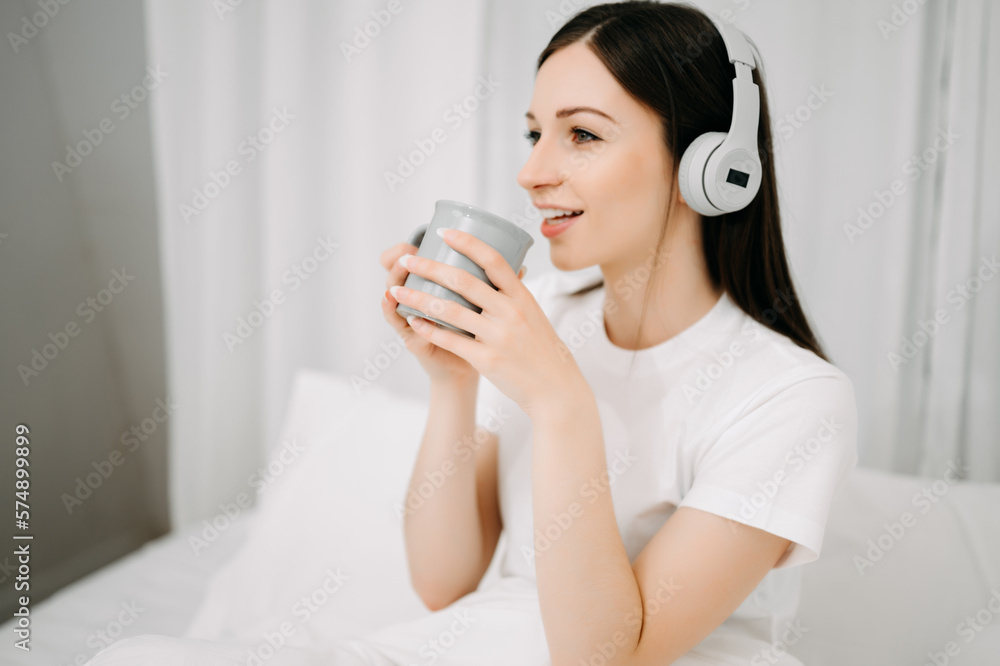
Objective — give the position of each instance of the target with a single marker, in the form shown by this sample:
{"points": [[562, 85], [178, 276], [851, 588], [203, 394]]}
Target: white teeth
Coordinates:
{"points": [[556, 212]]}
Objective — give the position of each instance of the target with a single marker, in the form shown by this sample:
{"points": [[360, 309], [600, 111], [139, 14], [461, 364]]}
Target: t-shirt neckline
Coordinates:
{"points": [[664, 354]]}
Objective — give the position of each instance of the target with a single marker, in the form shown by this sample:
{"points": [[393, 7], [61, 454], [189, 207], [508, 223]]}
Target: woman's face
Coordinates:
{"points": [[615, 171]]}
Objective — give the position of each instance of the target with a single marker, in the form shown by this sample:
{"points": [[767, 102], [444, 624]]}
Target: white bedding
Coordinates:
{"points": [[154, 589], [334, 508]]}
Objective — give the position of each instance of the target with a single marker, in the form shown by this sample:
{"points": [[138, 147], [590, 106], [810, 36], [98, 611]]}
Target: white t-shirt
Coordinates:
{"points": [[727, 416]]}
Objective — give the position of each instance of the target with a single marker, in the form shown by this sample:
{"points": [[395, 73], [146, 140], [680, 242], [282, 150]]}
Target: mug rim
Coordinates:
{"points": [[451, 203]]}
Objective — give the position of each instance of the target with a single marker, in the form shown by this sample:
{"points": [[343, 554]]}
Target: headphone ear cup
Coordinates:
{"points": [[691, 173]]}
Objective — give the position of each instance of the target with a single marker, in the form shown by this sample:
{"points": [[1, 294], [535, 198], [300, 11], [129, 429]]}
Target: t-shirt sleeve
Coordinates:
{"points": [[779, 464]]}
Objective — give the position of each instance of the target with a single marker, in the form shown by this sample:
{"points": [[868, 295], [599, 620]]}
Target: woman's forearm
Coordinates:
{"points": [[441, 522], [586, 587]]}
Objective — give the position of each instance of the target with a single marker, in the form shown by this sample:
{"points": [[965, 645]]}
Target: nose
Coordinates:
{"points": [[542, 169]]}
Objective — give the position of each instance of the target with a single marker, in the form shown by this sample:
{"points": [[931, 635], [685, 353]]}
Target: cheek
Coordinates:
{"points": [[629, 181], [628, 189], [601, 173]]}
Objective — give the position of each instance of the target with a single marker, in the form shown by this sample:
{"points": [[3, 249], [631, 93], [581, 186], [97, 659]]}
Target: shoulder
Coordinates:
{"points": [[749, 371], [784, 366], [767, 362], [794, 371]]}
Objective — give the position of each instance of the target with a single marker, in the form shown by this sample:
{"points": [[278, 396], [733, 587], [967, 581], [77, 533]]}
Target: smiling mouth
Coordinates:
{"points": [[563, 218]]}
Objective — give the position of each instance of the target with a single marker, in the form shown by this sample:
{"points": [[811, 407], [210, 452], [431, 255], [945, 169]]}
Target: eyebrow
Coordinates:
{"points": [[564, 113]]}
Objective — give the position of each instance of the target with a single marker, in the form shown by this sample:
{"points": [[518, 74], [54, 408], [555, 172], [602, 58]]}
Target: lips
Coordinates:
{"points": [[562, 223]]}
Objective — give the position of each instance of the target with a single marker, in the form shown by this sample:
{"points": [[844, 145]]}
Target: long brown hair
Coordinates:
{"points": [[672, 59]]}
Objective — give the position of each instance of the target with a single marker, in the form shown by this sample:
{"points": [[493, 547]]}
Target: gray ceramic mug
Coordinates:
{"points": [[505, 237]]}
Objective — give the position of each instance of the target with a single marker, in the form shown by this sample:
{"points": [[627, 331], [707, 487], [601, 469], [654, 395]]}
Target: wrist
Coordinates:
{"points": [[461, 385], [563, 406]]}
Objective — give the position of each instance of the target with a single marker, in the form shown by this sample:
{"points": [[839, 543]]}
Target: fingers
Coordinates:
{"points": [[397, 276], [389, 257], [389, 312], [441, 308], [397, 272], [488, 258], [456, 279]]}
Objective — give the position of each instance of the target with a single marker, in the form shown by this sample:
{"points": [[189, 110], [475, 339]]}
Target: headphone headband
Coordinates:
{"points": [[736, 44]]}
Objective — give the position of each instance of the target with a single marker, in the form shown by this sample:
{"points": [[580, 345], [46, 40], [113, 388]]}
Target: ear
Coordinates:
{"points": [[677, 189]]}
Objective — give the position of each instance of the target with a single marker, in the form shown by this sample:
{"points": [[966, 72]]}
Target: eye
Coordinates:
{"points": [[577, 131], [587, 137]]}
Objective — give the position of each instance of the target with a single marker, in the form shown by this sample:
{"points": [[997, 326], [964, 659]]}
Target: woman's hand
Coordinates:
{"points": [[516, 347], [440, 364]]}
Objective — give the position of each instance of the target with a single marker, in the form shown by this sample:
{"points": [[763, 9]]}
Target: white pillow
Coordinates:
{"points": [[330, 518], [890, 589]]}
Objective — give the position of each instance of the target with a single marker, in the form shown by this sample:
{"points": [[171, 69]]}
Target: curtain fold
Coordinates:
{"points": [[959, 420], [293, 144], [210, 228]]}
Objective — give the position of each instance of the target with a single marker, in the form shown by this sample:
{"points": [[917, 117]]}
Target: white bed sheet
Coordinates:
{"points": [[156, 589]]}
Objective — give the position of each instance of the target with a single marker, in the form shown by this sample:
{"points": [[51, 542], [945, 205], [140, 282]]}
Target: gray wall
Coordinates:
{"points": [[60, 242]]}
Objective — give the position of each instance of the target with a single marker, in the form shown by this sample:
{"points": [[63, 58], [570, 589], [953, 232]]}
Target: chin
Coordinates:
{"points": [[565, 262]]}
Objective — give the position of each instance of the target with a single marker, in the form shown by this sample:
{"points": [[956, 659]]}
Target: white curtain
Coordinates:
{"points": [[338, 94], [955, 391]]}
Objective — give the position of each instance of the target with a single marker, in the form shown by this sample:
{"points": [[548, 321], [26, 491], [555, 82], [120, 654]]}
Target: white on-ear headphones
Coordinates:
{"points": [[720, 171]]}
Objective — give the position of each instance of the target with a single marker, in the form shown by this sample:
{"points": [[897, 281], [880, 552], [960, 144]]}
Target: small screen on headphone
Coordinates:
{"points": [[738, 178]]}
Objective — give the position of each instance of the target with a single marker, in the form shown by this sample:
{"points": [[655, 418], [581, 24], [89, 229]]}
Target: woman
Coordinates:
{"points": [[738, 429], [669, 446]]}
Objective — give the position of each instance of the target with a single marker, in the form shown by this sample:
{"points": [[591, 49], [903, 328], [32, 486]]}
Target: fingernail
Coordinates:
{"points": [[385, 297], [394, 290], [403, 259], [440, 231]]}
